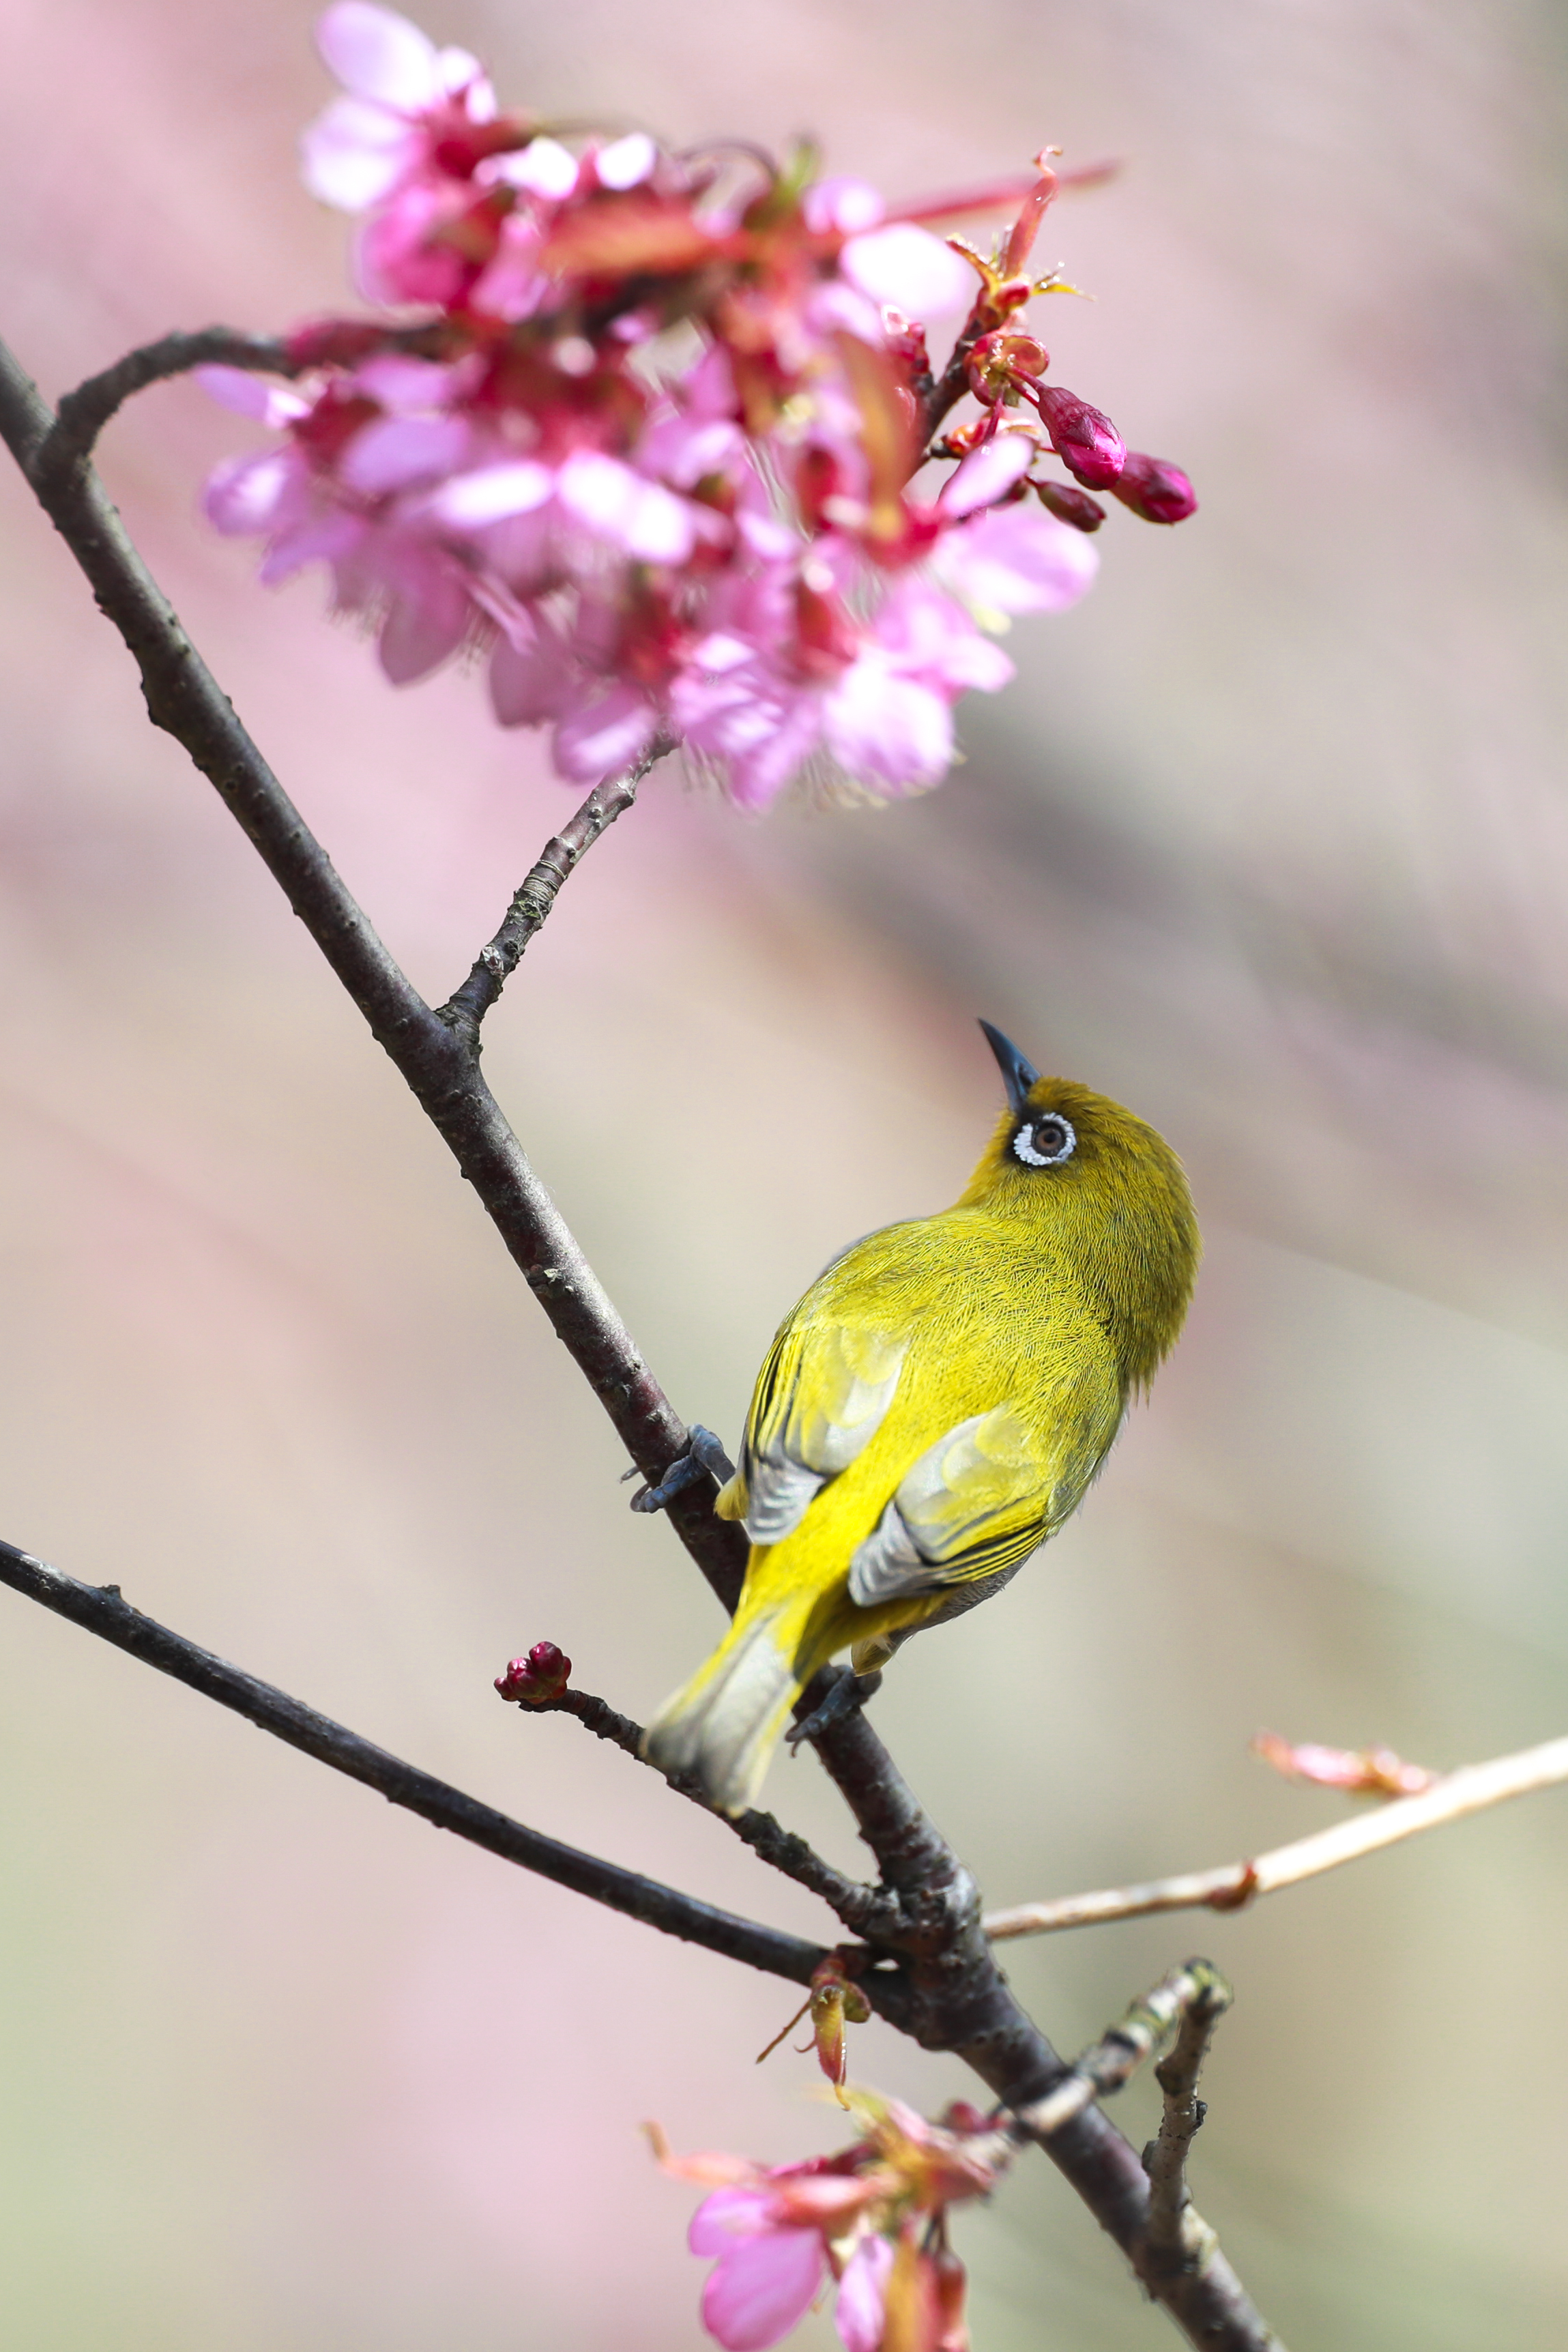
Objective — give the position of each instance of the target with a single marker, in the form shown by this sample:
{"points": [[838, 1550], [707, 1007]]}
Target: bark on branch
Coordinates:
{"points": [[1234, 1885], [100, 1610]]}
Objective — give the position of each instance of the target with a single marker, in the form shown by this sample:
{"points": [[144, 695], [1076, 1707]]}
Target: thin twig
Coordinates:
{"points": [[1178, 2238], [1234, 1885], [84, 413], [466, 1006], [1112, 2061], [101, 1611], [862, 1909]]}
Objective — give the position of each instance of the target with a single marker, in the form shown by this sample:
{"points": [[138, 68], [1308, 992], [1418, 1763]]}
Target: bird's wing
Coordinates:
{"points": [[820, 1399], [975, 1505]]}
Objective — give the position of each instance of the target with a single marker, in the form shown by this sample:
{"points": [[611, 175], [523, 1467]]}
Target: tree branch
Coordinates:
{"points": [[1112, 2061], [1234, 1885], [68, 443], [183, 699], [1178, 2238], [859, 1907], [101, 1611], [466, 1006]]}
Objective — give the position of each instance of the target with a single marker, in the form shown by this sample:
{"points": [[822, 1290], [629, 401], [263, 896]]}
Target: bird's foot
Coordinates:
{"points": [[849, 1695], [703, 1457]]}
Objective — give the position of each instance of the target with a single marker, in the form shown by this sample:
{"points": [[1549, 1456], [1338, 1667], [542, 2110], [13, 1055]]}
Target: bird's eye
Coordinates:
{"points": [[1046, 1141]]}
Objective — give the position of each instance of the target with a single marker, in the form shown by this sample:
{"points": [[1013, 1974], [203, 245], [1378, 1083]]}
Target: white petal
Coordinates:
{"points": [[355, 153], [494, 492], [908, 268], [379, 55], [843, 204], [545, 168], [627, 163]]}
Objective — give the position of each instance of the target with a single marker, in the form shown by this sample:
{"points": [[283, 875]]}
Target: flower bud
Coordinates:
{"points": [[1158, 492], [1084, 438], [535, 1680], [1069, 504]]}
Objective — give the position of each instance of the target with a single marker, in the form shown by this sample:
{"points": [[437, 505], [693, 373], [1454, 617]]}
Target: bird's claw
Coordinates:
{"points": [[849, 1695], [703, 1457]]}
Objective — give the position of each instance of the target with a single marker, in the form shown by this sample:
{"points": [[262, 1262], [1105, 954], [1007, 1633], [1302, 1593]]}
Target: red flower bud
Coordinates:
{"points": [[1158, 492], [1069, 504], [542, 1675], [1084, 438]]}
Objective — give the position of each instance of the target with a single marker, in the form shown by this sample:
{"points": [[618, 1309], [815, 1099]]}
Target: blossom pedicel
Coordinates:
{"points": [[643, 428]]}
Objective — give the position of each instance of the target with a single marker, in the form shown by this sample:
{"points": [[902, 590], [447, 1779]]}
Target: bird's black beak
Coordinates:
{"points": [[1017, 1076]]}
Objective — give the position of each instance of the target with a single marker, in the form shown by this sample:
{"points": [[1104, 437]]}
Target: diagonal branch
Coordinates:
{"points": [[466, 1006], [862, 1909], [1234, 1885], [101, 1611]]}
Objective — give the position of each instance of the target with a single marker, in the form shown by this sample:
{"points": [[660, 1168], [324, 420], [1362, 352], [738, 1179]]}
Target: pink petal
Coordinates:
{"points": [[1017, 559], [530, 682], [333, 537], [728, 2214], [394, 451], [889, 729], [428, 620], [619, 505], [862, 2294], [491, 493], [988, 472], [604, 736], [402, 383], [847, 206], [761, 2287], [908, 268], [627, 163], [379, 55], [250, 395], [460, 75], [354, 153], [247, 494]]}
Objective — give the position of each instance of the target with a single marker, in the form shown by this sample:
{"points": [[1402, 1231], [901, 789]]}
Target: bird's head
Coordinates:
{"points": [[1104, 1191]]}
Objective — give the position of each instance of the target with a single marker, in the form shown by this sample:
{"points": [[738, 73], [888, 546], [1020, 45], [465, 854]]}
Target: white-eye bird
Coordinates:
{"points": [[934, 1409]]}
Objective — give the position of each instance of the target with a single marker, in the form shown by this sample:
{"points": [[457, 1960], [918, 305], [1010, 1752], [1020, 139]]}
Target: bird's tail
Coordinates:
{"points": [[726, 1723]]}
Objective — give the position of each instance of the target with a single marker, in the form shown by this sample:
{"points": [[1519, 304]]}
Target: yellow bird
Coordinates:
{"points": [[934, 1409]]}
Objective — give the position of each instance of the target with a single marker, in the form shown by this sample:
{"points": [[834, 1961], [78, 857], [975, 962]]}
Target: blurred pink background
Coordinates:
{"points": [[1270, 841]]}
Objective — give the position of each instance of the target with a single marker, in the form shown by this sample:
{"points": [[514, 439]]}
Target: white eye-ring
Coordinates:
{"points": [[1045, 1141]]}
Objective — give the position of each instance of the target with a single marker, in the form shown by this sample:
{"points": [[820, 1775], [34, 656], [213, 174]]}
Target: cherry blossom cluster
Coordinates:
{"points": [[650, 432], [870, 2219]]}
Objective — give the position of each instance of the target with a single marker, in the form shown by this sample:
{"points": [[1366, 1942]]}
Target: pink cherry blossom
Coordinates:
{"points": [[651, 441], [403, 93]]}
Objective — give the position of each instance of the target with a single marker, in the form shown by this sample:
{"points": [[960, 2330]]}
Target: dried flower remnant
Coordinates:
{"points": [[644, 430], [871, 2218], [832, 2002], [1361, 1771]]}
